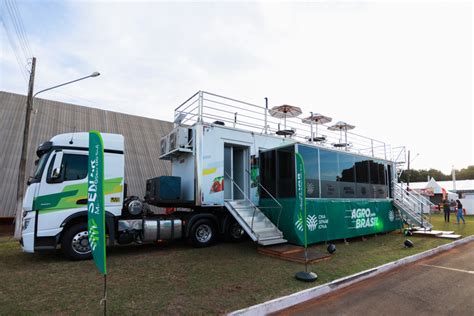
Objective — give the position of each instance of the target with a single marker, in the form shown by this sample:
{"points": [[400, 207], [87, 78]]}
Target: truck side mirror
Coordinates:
{"points": [[58, 159]]}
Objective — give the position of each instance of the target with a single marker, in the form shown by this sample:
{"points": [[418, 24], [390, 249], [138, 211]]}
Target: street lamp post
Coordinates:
{"points": [[24, 150], [94, 74]]}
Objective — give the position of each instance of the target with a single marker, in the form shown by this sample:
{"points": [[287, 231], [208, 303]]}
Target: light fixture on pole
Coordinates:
{"points": [[22, 171], [94, 74]]}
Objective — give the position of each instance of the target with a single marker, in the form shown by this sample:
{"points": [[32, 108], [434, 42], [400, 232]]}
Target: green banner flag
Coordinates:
{"points": [[95, 200], [301, 195]]}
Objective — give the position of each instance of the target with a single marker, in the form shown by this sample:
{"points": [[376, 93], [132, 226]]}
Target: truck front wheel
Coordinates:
{"points": [[203, 233], [75, 242]]}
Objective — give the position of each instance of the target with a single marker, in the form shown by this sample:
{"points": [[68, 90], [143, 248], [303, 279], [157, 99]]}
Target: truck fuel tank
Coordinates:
{"points": [[149, 230], [156, 229]]}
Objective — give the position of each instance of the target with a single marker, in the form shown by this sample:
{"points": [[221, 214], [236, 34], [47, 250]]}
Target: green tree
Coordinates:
{"points": [[422, 175]]}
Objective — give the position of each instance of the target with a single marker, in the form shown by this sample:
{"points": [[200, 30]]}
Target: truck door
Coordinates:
{"points": [[62, 191]]}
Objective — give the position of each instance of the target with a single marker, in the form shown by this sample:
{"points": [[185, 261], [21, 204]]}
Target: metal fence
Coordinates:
{"points": [[209, 107]]}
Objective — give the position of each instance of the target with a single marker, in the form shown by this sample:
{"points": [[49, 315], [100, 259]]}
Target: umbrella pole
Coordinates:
{"points": [[311, 138], [345, 140], [316, 129]]}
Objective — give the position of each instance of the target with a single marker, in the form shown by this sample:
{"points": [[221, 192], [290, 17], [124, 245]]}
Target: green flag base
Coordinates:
{"points": [[306, 276]]}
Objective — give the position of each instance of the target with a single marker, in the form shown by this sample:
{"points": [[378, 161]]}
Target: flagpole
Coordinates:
{"points": [[301, 196], [95, 207], [104, 300]]}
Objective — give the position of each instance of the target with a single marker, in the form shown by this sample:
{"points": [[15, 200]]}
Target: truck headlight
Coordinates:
{"points": [[26, 222]]}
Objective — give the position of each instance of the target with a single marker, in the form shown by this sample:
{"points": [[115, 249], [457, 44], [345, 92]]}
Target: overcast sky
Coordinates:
{"points": [[401, 72]]}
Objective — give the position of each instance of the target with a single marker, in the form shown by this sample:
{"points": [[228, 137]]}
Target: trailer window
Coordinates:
{"points": [[268, 173], [362, 178], [329, 174], [377, 179], [346, 176], [286, 179], [311, 167]]}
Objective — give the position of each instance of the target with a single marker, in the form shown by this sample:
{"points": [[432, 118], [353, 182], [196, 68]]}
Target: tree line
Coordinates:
{"points": [[422, 175]]}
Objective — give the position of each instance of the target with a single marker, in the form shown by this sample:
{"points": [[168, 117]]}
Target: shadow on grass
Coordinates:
{"points": [[164, 248]]}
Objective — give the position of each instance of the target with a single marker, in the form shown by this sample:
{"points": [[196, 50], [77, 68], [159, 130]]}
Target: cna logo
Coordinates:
{"points": [[391, 215], [311, 222]]}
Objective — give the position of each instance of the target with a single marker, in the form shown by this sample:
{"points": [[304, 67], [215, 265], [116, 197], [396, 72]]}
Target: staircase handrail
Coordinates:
{"points": [[430, 205], [412, 199], [273, 198], [245, 197], [409, 193]]}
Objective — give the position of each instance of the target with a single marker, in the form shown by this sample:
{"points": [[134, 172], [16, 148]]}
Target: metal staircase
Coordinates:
{"points": [[414, 209], [253, 221]]}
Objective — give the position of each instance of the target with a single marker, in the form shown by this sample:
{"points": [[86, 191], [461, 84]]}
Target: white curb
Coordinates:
{"points": [[308, 294]]}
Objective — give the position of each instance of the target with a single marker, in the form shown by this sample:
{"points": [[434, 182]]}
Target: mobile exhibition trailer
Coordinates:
{"points": [[233, 170]]}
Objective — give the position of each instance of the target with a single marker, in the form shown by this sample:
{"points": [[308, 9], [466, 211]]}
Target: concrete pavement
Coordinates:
{"points": [[439, 285]]}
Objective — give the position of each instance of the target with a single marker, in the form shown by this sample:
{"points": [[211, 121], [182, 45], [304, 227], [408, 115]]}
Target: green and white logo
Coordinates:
{"points": [[391, 215], [311, 222], [95, 200]]}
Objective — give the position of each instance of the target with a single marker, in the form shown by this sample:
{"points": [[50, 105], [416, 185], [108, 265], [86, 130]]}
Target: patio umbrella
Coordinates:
{"points": [[341, 126], [285, 111], [317, 119]]}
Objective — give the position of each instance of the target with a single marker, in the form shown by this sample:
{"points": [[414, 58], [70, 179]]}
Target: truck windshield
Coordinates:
{"points": [[40, 163]]}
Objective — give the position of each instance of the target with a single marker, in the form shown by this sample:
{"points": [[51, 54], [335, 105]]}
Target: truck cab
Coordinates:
{"points": [[55, 203]]}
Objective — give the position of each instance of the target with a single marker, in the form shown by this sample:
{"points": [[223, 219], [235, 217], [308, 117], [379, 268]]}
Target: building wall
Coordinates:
{"points": [[49, 118]]}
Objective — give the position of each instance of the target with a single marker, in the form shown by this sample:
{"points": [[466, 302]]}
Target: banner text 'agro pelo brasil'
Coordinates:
{"points": [[95, 200]]}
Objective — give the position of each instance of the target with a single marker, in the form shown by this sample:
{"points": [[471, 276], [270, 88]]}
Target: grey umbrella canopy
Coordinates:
{"points": [[284, 111], [342, 126], [316, 119]]}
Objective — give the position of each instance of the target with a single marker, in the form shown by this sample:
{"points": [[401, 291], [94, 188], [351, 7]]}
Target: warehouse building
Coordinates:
{"points": [[142, 141]]}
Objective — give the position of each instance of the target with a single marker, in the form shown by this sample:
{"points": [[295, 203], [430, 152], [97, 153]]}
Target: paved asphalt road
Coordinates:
{"points": [[439, 285]]}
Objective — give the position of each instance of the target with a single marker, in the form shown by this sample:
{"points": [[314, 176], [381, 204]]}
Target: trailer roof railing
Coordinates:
{"points": [[209, 107]]}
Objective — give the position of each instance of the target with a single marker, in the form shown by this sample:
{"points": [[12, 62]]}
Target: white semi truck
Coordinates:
{"points": [[55, 204]]}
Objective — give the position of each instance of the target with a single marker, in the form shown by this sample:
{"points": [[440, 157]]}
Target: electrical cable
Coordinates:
{"points": [[15, 51], [23, 29], [16, 26]]}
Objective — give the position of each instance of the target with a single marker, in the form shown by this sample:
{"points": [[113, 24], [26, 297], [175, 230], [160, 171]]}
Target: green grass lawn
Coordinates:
{"points": [[175, 278]]}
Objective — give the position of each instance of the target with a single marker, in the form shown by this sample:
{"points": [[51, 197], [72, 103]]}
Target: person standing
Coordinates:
{"points": [[459, 214], [446, 210], [452, 206]]}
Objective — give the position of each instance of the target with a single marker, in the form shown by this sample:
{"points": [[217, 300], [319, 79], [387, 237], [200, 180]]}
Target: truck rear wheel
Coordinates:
{"points": [[75, 242], [234, 232], [203, 233]]}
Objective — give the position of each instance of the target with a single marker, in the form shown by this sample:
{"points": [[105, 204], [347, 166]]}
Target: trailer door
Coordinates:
{"points": [[236, 167]]}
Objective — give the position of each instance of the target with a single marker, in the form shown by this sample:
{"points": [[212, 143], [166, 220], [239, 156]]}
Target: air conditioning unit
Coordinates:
{"points": [[164, 149], [178, 138]]}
